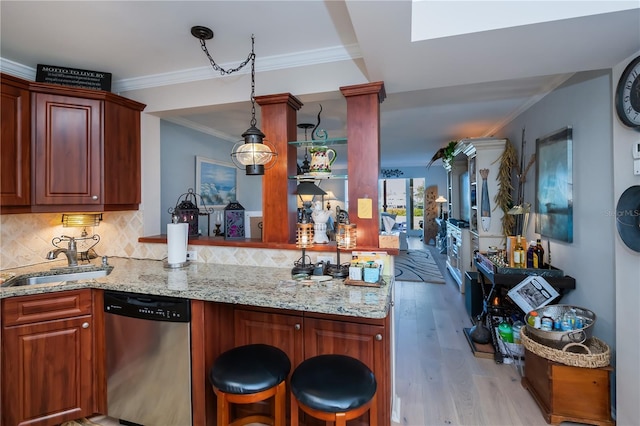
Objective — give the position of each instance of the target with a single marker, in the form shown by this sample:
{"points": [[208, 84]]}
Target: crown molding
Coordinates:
{"points": [[263, 64], [17, 70]]}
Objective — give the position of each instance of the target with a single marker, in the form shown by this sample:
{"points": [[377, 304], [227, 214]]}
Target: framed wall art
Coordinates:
{"points": [[215, 182], [554, 185]]}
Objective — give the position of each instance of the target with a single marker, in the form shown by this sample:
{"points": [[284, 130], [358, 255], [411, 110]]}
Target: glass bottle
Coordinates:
{"points": [[519, 257], [531, 255], [538, 255]]}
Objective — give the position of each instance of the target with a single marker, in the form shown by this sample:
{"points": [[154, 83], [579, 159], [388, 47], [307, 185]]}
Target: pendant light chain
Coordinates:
{"points": [[252, 56], [222, 71], [216, 67]]}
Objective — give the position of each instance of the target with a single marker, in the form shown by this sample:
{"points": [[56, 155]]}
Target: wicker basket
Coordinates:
{"points": [[593, 353]]}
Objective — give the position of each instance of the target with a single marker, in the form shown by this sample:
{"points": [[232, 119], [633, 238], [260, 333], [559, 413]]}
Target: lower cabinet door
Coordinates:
{"points": [[365, 342], [279, 330], [47, 372]]}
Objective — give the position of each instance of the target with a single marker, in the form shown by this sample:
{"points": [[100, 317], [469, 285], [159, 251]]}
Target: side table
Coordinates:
{"points": [[568, 394]]}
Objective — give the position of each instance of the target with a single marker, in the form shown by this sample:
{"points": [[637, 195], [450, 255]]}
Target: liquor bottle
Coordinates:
{"points": [[538, 255], [519, 257], [531, 255]]}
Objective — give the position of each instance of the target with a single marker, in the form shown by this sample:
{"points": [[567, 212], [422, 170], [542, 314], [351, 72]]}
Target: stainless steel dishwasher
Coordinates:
{"points": [[148, 359]]}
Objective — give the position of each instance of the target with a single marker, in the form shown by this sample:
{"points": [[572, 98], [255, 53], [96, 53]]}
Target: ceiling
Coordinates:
{"points": [[472, 67]]}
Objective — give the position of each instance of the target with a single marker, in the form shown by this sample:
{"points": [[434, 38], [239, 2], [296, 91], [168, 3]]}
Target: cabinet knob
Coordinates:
{"points": [[378, 337], [85, 325], [297, 327], [95, 197]]}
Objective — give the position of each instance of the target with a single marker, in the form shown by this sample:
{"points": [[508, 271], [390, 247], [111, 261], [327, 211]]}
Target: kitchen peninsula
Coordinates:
{"points": [[234, 305]]}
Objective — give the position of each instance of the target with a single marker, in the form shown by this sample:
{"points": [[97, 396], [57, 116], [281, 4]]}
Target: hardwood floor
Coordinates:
{"points": [[439, 381]]}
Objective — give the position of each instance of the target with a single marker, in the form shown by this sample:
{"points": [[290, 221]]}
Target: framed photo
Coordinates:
{"points": [[554, 185], [215, 182], [533, 293]]}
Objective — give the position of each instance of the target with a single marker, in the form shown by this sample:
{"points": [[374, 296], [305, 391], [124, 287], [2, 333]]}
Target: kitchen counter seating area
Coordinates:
{"points": [[231, 305]]}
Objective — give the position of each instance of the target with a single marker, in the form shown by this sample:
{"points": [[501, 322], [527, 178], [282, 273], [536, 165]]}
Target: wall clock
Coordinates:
{"points": [[628, 95]]}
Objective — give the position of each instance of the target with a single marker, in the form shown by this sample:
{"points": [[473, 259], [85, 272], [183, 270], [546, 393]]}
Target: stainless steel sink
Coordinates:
{"points": [[53, 277]]}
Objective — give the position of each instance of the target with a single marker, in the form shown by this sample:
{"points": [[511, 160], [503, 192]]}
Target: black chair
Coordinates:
{"points": [[248, 374], [333, 388]]}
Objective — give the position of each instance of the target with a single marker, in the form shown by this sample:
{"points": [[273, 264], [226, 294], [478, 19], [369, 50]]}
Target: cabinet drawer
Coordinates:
{"points": [[44, 307]]}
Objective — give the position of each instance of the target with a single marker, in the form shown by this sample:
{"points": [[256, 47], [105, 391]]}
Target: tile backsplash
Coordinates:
{"points": [[25, 239]]}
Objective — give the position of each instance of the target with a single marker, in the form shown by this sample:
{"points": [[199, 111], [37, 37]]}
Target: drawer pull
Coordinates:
{"points": [[95, 197], [297, 327], [85, 325]]}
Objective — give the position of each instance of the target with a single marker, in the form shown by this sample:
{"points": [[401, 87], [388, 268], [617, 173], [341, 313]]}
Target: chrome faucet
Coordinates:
{"points": [[71, 252]]}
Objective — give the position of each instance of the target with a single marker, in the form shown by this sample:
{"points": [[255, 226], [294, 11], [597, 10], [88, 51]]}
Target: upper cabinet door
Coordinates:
{"points": [[68, 150], [15, 142]]}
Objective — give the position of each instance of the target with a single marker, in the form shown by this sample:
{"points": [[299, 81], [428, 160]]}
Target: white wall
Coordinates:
{"points": [[602, 268], [627, 277]]}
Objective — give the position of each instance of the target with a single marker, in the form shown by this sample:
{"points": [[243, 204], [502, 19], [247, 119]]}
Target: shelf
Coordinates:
{"points": [[320, 142], [317, 177], [257, 243]]}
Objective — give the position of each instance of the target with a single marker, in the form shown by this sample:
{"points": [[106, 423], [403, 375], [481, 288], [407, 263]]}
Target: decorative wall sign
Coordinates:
{"points": [[215, 182], [84, 79], [554, 185]]}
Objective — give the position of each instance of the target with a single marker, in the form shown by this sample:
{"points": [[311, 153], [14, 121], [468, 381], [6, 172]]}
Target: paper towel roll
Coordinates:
{"points": [[177, 239]]}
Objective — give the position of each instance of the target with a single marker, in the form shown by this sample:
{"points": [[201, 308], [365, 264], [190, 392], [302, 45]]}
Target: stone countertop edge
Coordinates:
{"points": [[257, 286]]}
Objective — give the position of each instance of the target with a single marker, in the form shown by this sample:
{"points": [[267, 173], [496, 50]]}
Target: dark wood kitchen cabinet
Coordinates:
{"points": [[84, 150], [15, 143], [303, 336], [48, 362], [367, 342], [279, 330]]}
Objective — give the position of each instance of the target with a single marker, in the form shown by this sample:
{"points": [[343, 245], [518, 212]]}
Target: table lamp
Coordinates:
{"points": [[307, 190]]}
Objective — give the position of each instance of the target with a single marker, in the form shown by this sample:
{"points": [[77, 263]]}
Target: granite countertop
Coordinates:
{"points": [[235, 284]]}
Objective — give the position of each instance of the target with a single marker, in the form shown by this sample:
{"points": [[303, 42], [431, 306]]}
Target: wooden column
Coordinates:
{"points": [[278, 191], [363, 151]]}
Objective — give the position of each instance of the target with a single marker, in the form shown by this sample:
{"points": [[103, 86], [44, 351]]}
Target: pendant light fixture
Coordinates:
{"points": [[251, 153]]}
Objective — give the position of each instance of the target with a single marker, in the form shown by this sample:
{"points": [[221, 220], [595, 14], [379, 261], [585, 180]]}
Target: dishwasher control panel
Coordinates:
{"points": [[144, 306]]}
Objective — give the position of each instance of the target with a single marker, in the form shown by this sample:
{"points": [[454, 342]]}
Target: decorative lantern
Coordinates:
{"points": [[234, 221], [304, 240], [187, 211]]}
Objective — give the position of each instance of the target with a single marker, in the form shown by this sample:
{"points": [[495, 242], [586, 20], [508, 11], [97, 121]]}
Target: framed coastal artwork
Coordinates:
{"points": [[554, 185], [215, 182]]}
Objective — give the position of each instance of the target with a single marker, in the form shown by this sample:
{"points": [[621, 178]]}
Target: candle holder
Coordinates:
{"points": [[346, 240], [304, 240], [218, 216]]}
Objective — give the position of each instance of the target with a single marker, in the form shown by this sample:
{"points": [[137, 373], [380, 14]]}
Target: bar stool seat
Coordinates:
{"points": [[248, 374], [334, 388]]}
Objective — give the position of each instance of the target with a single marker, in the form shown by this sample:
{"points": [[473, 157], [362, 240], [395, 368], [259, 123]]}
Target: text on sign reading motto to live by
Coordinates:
{"points": [[85, 79]]}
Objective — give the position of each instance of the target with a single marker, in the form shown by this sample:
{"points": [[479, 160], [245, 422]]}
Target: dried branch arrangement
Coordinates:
{"points": [[509, 163], [503, 198]]}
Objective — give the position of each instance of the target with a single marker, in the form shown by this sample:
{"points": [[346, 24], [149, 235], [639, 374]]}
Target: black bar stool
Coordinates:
{"points": [[248, 374], [333, 388]]}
